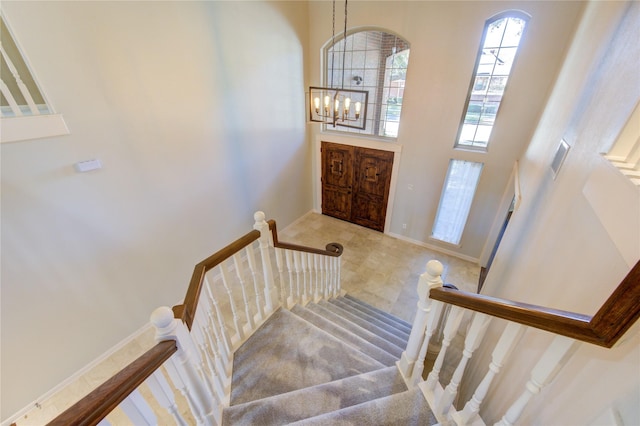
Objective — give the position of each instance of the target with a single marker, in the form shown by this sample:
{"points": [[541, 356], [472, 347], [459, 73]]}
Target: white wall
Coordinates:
{"points": [[555, 251], [444, 38], [196, 110]]}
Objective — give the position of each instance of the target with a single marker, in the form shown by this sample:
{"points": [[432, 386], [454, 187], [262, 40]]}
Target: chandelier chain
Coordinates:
{"points": [[344, 44]]}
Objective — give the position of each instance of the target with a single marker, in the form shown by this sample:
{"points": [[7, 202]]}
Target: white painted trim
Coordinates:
{"points": [[512, 190], [361, 142], [75, 376], [435, 248], [16, 129]]}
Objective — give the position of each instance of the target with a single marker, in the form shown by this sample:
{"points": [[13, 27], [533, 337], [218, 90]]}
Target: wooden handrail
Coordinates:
{"points": [[187, 310], [619, 312], [91, 409], [332, 249]]}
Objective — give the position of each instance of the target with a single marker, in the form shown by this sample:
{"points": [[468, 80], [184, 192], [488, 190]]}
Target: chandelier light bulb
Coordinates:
{"points": [[316, 103]]}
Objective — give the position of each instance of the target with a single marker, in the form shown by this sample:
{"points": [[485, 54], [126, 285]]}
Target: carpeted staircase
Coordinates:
{"points": [[330, 363]]}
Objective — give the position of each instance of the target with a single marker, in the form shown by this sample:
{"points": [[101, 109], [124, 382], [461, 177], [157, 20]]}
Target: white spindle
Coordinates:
{"points": [[554, 358], [187, 362], [293, 296], [431, 278], [450, 329], [232, 304], [15, 108], [338, 262], [432, 322], [262, 226], [221, 328], [23, 88], [472, 341], [237, 263], [162, 392], [211, 376], [251, 260], [509, 338], [318, 279], [222, 357], [299, 278], [137, 410], [284, 300], [326, 277], [305, 275]]}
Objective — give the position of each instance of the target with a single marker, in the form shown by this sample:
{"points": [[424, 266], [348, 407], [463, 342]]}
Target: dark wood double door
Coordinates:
{"points": [[355, 183]]}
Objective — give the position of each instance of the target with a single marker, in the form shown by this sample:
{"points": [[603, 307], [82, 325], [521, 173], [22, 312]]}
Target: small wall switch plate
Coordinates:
{"points": [[87, 166]]}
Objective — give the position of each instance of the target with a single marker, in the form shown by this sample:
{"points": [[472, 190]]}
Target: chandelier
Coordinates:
{"points": [[338, 106]]}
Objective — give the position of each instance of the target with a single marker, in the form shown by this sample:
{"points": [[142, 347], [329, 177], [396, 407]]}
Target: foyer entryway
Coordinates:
{"points": [[356, 183]]}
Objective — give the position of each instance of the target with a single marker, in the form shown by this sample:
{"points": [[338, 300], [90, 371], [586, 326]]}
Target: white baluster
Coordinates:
{"points": [[332, 276], [432, 322], [338, 261], [311, 276], [23, 87], [431, 278], [15, 108], [221, 328], [162, 392], [211, 329], [326, 277], [450, 329], [262, 226], [509, 338], [211, 376], [137, 410], [318, 282], [283, 289], [237, 262], [293, 296], [225, 282], [187, 363], [305, 275], [472, 341], [298, 269], [554, 358], [251, 259]]}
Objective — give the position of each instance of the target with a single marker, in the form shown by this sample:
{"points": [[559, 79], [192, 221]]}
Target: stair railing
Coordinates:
{"points": [[619, 312], [231, 293]]}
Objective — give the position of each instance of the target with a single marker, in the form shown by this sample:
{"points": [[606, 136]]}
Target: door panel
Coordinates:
{"points": [[355, 183], [371, 190]]}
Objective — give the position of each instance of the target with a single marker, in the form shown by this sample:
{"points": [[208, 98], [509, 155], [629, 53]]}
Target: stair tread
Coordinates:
{"points": [[372, 317], [399, 339], [265, 365], [368, 332], [408, 408], [380, 312], [316, 400], [346, 335]]}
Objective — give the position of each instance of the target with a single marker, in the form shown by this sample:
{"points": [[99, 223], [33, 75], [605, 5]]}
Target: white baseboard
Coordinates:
{"points": [[436, 248]]}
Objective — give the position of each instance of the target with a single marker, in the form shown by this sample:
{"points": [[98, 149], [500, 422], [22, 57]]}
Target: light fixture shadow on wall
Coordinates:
{"points": [[339, 106]]}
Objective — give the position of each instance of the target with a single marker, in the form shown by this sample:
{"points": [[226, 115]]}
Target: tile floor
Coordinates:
{"points": [[379, 269]]}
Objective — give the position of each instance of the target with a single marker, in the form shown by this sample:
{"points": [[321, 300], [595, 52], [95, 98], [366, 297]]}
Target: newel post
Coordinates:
{"points": [[262, 226], [183, 367], [431, 278]]}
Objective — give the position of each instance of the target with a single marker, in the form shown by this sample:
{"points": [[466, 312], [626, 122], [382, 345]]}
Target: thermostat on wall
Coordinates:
{"points": [[87, 166]]}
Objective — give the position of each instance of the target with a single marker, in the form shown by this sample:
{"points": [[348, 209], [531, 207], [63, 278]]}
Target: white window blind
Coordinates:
{"points": [[455, 202]]}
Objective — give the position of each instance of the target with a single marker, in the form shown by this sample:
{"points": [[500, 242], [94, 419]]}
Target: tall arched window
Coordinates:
{"points": [[375, 61], [500, 41]]}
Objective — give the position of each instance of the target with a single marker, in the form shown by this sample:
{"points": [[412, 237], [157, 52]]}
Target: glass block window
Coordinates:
{"points": [[500, 41], [375, 61], [455, 202]]}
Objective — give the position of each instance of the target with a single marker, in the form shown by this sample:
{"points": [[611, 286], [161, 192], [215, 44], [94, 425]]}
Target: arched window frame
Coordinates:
{"points": [[379, 124], [489, 107]]}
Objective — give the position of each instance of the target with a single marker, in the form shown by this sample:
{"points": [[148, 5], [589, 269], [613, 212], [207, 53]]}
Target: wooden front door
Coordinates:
{"points": [[355, 184]]}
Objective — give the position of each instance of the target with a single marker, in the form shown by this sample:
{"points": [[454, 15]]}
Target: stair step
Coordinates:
{"points": [[407, 326], [346, 336], [375, 313], [397, 338], [288, 353], [370, 333], [371, 319], [317, 400], [407, 409]]}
